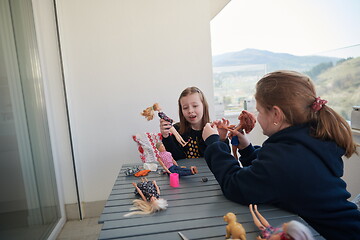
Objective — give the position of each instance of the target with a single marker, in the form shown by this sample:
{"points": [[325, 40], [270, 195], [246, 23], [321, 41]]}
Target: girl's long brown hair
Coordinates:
{"points": [[294, 94], [185, 125]]}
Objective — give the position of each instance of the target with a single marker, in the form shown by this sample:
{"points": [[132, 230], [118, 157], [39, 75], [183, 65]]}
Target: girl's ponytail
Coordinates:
{"points": [[295, 94], [331, 126]]}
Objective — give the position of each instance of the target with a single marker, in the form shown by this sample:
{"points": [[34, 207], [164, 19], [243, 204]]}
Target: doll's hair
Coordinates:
{"points": [[158, 144], [148, 113], [185, 125], [298, 231], [145, 207], [294, 93]]}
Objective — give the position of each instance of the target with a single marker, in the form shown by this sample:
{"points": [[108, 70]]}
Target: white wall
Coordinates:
{"points": [[119, 58]]}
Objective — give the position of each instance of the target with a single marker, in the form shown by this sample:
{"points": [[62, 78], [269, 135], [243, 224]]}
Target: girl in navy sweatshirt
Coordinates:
{"points": [[299, 167]]}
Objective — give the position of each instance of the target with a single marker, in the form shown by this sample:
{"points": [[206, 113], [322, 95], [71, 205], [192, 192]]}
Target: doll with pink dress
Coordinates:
{"points": [[170, 165]]}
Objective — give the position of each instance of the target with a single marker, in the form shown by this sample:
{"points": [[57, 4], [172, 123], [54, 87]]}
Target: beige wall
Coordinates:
{"points": [[120, 57]]}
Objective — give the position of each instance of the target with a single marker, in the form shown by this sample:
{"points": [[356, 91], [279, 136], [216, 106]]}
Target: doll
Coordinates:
{"points": [[292, 230], [150, 201], [234, 229], [247, 123], [170, 165], [148, 113]]}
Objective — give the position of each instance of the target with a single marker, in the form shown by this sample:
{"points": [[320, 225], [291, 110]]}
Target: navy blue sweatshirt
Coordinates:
{"points": [[293, 171]]}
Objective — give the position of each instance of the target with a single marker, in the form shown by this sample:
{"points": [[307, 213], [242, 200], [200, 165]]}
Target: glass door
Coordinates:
{"points": [[29, 206]]}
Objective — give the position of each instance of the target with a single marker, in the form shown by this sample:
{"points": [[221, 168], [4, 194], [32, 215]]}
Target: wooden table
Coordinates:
{"points": [[196, 209]]}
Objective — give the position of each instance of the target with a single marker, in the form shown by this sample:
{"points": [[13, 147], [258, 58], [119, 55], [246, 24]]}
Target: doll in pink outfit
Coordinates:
{"points": [[170, 165]]}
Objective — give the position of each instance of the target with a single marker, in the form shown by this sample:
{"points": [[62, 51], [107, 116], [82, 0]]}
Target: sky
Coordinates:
{"points": [[298, 27]]}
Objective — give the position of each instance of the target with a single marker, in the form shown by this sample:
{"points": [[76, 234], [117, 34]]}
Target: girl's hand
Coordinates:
{"points": [[243, 140], [209, 130], [165, 128], [222, 127]]}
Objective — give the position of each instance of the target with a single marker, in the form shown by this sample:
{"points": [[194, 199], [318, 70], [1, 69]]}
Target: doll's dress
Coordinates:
{"points": [[148, 189], [269, 231], [165, 117]]}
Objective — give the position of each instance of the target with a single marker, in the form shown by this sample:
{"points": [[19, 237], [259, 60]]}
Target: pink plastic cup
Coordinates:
{"points": [[174, 180]]}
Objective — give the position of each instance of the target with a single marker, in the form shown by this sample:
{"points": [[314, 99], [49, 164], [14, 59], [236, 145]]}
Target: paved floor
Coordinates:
{"points": [[87, 229]]}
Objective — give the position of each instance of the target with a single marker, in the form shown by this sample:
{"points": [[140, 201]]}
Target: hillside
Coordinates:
{"points": [[235, 75], [273, 61], [340, 85]]}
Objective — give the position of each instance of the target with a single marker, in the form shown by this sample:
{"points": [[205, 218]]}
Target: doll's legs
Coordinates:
{"points": [[194, 169], [259, 220]]}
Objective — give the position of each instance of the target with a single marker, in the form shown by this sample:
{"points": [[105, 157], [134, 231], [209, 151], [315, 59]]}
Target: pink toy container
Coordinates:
{"points": [[174, 180]]}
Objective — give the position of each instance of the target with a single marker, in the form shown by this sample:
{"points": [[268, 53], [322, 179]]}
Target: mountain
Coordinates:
{"points": [[340, 85], [273, 61]]}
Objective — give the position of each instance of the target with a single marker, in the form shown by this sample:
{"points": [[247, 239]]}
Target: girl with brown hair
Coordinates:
{"points": [[193, 114], [299, 167]]}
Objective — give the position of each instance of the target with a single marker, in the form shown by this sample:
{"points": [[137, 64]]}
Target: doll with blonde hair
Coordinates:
{"points": [[148, 113], [150, 201], [170, 165], [292, 230]]}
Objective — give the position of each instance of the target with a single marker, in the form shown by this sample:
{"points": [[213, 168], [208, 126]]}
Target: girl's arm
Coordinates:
{"points": [[163, 165], [243, 185], [139, 191], [157, 187]]}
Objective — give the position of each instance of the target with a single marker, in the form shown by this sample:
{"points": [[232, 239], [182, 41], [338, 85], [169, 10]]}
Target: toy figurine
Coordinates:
{"points": [[170, 165], [131, 171], [234, 229], [148, 113], [247, 123], [292, 230], [150, 201]]}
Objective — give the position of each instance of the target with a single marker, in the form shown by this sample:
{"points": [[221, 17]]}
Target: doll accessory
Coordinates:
{"points": [[131, 171], [174, 180], [146, 145], [318, 104], [142, 173]]}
